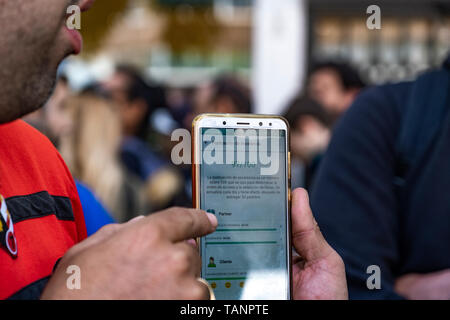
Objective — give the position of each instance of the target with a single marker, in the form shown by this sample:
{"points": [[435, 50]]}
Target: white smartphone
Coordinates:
{"points": [[241, 173]]}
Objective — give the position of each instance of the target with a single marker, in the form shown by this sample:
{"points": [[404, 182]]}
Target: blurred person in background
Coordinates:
{"points": [[91, 150], [310, 128], [200, 102], [178, 104], [224, 94], [381, 194], [335, 86], [230, 95], [55, 122], [137, 101]]}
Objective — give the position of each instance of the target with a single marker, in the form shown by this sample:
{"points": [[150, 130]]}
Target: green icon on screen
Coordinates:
{"points": [[211, 263]]}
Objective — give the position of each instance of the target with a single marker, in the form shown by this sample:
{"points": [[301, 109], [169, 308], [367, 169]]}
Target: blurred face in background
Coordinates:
{"points": [[58, 120], [230, 95], [326, 87], [131, 112], [200, 103], [33, 41], [224, 104], [202, 99], [310, 128], [309, 137]]}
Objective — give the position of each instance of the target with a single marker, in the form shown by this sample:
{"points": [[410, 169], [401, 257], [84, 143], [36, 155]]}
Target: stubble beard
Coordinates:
{"points": [[28, 67]]}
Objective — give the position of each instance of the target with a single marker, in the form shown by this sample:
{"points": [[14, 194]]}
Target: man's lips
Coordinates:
{"points": [[76, 39]]}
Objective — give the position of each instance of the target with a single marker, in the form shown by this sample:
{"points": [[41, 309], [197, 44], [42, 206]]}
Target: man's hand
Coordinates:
{"points": [[430, 286], [319, 272], [146, 258]]}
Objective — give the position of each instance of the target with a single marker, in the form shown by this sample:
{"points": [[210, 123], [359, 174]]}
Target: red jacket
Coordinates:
{"points": [[43, 205]]}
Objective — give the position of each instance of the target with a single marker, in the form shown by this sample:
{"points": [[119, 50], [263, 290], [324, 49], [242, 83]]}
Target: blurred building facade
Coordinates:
{"points": [[179, 42], [184, 42], [414, 35]]}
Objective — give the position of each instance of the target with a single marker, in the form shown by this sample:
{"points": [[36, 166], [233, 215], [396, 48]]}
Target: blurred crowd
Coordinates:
{"points": [[115, 135]]}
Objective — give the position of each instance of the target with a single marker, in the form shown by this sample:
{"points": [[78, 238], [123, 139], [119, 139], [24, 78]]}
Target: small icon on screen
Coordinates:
{"points": [[211, 263]]}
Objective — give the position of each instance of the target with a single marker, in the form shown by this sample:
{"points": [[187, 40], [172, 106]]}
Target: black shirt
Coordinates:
{"points": [[355, 202]]}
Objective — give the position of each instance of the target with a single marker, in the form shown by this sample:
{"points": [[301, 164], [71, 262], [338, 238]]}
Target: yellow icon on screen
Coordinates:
{"points": [[213, 285], [227, 285], [241, 284]]}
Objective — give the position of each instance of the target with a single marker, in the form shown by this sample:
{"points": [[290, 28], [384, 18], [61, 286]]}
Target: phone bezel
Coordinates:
{"points": [[249, 121]]}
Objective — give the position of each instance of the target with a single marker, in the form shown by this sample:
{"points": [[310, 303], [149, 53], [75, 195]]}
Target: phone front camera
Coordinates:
{"points": [[260, 124], [224, 123]]}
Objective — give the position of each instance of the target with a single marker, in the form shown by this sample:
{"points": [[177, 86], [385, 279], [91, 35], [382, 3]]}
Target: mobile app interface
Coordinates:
{"points": [[243, 182]]}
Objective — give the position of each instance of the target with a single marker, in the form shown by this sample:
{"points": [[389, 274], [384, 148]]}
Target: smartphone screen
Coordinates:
{"points": [[243, 181]]}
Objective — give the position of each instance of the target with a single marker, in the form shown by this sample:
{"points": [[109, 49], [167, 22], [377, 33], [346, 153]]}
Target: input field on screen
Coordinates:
{"points": [[246, 236]]}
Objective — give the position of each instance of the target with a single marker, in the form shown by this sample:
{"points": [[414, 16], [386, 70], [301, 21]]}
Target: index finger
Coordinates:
{"points": [[179, 224]]}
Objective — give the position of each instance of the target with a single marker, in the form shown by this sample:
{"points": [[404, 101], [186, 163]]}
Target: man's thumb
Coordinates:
{"points": [[307, 239]]}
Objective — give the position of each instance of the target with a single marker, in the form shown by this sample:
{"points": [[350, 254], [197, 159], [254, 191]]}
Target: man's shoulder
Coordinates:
{"points": [[30, 163], [19, 134], [377, 112], [383, 100], [43, 203]]}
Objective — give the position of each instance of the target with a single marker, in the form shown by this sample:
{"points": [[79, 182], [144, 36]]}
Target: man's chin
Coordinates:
{"points": [[13, 115], [32, 97]]}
